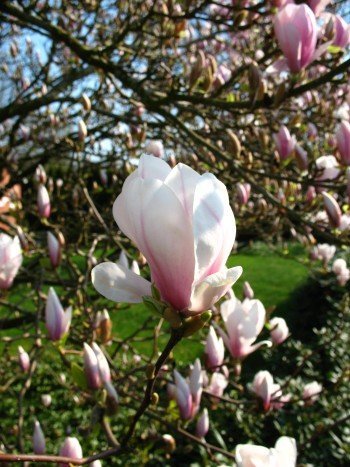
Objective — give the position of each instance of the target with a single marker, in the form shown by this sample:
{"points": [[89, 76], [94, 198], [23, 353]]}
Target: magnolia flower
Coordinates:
{"points": [[343, 141], [296, 32], [285, 143], [55, 249], [39, 444], [46, 400], [214, 350], [43, 202], [325, 252], [155, 148], [23, 359], [284, 454], [332, 209], [341, 270], [56, 319], [243, 193], [71, 448], [270, 392], [202, 426], [40, 174], [279, 330], [311, 392], [217, 385], [248, 292], [82, 130], [10, 259], [184, 226], [188, 393], [244, 322], [328, 168], [341, 32]]}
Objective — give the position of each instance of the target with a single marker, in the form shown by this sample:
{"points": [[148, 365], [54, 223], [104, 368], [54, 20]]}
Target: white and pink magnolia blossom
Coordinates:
{"points": [[71, 448], [343, 142], [23, 359], [284, 454], [56, 319], [91, 368], [10, 260], [243, 193], [188, 392], [244, 322], [39, 444], [341, 32], [270, 393], [43, 202], [285, 142], [217, 385], [248, 292], [40, 175], [327, 168], [214, 350], [55, 249], [202, 426], [82, 130], [341, 270], [332, 209], [278, 330], [318, 6], [324, 252], [296, 32], [183, 224], [155, 148], [311, 392]]}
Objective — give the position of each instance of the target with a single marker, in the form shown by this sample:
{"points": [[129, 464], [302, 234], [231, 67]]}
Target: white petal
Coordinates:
{"points": [[183, 181], [119, 284]]}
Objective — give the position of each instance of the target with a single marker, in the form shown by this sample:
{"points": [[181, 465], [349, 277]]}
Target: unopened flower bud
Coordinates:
{"points": [[39, 444]]}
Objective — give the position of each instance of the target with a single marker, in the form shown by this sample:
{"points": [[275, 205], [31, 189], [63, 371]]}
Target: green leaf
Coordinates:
{"points": [[78, 376]]}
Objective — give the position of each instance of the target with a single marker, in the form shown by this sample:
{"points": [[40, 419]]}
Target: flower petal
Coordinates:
{"points": [[119, 284]]}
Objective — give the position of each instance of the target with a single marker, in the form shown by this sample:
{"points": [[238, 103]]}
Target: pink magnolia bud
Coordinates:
{"points": [[103, 366], [343, 142], [214, 350], [317, 6], [71, 448], [82, 130], [341, 32], [311, 131], [56, 319], [23, 359], [296, 32], [91, 368], [55, 250], [310, 194], [311, 392], [279, 330], [46, 400], [39, 444], [301, 157], [202, 426], [155, 148], [40, 175], [43, 202], [218, 384], [285, 143], [263, 386], [332, 209], [10, 260], [248, 292], [86, 102], [188, 393], [243, 193]]}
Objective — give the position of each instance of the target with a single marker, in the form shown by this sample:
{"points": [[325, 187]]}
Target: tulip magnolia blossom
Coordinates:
{"points": [[202, 426], [311, 392], [43, 202], [332, 209], [285, 142], [214, 350], [71, 448], [23, 359], [284, 454], [244, 322], [56, 319], [10, 259], [188, 393], [279, 330], [270, 392], [183, 224], [217, 385], [327, 167], [55, 249], [39, 444], [296, 32], [343, 141]]}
